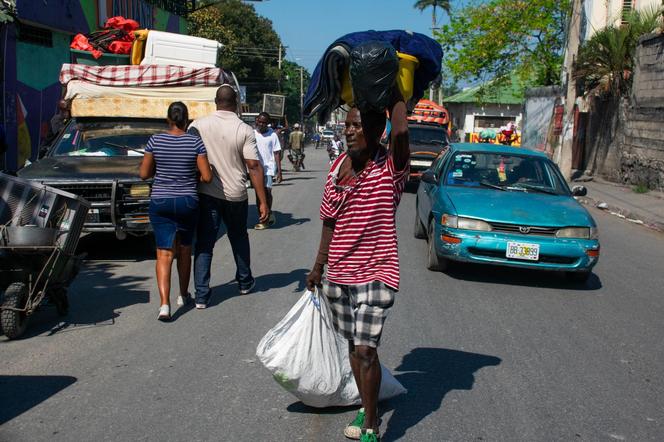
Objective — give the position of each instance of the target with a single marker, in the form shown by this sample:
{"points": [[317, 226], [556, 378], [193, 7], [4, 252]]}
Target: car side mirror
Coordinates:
{"points": [[579, 191], [429, 177]]}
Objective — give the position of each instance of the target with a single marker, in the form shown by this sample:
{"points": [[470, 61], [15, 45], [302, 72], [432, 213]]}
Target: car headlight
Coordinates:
{"points": [[577, 233], [457, 222], [139, 190], [449, 221]]}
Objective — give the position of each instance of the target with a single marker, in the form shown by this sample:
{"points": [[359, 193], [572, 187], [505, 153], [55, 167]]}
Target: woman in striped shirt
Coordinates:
{"points": [[175, 159]]}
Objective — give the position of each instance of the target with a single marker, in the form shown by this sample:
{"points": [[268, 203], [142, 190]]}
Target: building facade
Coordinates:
{"points": [[588, 16], [471, 111], [35, 44]]}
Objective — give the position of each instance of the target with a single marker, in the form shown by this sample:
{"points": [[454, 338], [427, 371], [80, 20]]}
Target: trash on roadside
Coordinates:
{"points": [[309, 359]]}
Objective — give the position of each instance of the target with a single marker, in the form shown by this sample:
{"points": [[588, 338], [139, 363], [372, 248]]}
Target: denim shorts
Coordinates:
{"points": [[268, 181], [171, 216]]}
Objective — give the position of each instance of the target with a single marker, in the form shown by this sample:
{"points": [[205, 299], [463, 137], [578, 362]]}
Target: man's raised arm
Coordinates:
{"points": [[399, 144]]}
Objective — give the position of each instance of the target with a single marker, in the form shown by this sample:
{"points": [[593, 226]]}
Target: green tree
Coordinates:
{"points": [[424, 4], [605, 62], [497, 39], [291, 88]]}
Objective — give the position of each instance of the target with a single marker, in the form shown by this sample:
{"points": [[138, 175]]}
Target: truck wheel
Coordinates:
{"points": [[14, 323], [418, 230], [434, 262]]}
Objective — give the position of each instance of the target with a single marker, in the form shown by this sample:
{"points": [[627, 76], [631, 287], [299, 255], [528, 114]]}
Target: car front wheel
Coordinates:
{"points": [[434, 262], [418, 230]]}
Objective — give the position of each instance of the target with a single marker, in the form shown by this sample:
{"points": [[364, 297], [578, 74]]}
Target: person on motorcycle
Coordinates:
{"points": [[334, 148]]}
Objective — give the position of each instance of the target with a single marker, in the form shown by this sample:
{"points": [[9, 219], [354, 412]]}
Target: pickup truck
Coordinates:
{"points": [[98, 158], [427, 141]]}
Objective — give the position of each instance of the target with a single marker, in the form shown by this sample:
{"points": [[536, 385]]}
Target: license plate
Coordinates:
{"points": [[421, 163], [525, 251], [93, 216]]}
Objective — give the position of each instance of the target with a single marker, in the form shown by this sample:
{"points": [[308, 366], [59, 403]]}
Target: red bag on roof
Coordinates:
{"points": [[120, 47], [81, 43], [119, 22]]}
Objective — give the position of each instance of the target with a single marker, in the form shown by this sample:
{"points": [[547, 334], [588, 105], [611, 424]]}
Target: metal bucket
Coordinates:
{"points": [[29, 236]]}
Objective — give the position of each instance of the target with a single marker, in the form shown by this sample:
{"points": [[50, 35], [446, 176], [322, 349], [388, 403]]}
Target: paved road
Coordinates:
{"points": [[486, 354]]}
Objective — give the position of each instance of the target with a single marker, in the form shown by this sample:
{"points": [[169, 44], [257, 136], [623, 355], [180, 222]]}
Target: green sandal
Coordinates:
{"points": [[354, 429]]}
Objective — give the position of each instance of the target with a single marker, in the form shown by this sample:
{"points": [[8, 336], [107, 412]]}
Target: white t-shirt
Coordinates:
{"points": [[268, 144]]}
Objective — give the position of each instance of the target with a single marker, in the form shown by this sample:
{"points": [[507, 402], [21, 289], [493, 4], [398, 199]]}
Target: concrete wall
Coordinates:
{"points": [[641, 154], [538, 118]]}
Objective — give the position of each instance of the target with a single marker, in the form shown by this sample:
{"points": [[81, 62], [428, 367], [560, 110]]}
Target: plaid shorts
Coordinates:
{"points": [[359, 311]]}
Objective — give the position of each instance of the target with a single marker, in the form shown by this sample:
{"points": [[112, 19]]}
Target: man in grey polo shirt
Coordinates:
{"points": [[232, 152]]}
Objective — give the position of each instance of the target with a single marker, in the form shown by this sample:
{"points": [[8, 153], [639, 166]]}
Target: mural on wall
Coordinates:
{"points": [[31, 94]]}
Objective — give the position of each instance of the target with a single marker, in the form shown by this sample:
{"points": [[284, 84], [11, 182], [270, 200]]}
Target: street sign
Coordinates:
{"points": [[275, 105]]}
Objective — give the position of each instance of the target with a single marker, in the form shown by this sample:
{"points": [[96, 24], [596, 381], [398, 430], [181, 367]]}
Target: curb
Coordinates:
{"points": [[625, 214]]}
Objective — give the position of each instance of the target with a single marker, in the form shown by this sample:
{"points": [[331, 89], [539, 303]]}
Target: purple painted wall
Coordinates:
{"points": [[65, 18]]}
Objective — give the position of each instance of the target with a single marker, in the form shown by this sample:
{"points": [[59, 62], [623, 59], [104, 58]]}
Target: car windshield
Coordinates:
{"points": [[427, 135], [501, 172], [107, 138]]}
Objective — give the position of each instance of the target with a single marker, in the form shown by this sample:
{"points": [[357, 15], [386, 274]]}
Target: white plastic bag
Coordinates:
{"points": [[309, 358]]}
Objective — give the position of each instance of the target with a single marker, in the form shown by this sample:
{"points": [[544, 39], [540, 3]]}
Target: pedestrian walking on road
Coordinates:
{"points": [[269, 150], [232, 151], [296, 144], [174, 159], [359, 246]]}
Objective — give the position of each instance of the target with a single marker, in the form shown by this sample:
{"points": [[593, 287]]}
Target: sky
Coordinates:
{"points": [[308, 27]]}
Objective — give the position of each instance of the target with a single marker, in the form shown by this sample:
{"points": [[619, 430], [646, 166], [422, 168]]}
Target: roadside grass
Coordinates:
{"points": [[641, 188]]}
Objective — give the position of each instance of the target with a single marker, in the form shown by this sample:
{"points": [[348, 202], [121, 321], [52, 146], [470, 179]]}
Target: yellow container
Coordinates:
{"points": [[138, 47], [405, 77], [347, 88]]}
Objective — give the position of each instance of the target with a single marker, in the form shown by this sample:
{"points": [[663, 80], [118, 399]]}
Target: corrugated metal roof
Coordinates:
{"points": [[512, 93]]}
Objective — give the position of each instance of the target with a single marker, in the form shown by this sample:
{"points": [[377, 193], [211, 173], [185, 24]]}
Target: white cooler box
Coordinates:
{"points": [[166, 48]]}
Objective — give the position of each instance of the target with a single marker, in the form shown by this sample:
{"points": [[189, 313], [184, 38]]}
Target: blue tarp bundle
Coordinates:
{"points": [[323, 95]]}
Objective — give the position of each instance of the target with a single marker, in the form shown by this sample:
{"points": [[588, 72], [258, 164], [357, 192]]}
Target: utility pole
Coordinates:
{"points": [[279, 78], [301, 96]]}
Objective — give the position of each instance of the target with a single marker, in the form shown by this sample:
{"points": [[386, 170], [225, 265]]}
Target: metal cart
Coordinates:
{"points": [[39, 230]]}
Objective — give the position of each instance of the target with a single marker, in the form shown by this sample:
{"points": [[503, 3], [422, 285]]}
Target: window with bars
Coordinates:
{"points": [[627, 8], [35, 35]]}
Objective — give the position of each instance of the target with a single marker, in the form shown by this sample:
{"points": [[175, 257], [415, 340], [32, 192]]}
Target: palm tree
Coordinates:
{"points": [[606, 61], [442, 4]]}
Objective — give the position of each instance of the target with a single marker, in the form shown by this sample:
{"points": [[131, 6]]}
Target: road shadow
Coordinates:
{"points": [[301, 408], [95, 297], [21, 393], [522, 277], [283, 219], [412, 186], [105, 246], [298, 177], [431, 373], [264, 283]]}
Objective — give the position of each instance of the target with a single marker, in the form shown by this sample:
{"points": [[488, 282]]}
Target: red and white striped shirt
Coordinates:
{"points": [[364, 244]]}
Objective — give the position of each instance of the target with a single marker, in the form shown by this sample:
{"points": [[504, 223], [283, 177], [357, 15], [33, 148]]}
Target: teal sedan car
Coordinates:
{"points": [[503, 205]]}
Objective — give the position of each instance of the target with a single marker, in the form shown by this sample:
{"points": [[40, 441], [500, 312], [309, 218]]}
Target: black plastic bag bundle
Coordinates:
{"points": [[373, 72]]}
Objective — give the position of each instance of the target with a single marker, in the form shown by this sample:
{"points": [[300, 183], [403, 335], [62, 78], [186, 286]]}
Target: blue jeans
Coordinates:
{"points": [[212, 212]]}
